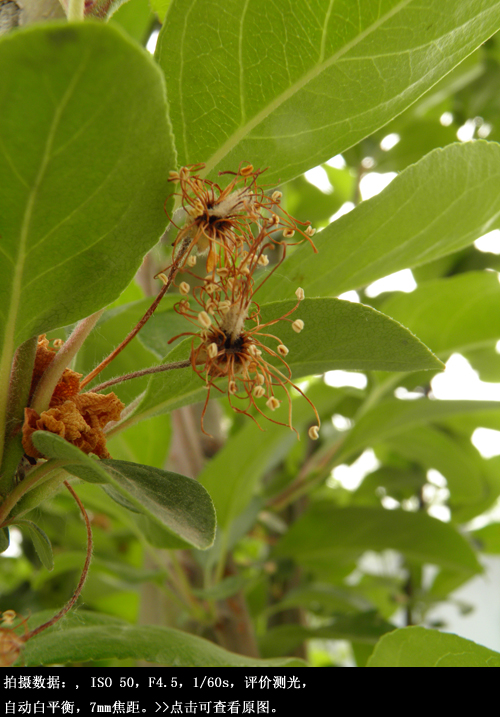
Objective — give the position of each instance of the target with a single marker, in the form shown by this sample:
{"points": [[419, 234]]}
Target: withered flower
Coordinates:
{"points": [[224, 219], [229, 340], [78, 418]]}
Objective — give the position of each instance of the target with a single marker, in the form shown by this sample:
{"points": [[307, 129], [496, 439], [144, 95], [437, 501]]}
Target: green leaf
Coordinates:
{"points": [[109, 332], [337, 335], [119, 570], [326, 534], [455, 314], [41, 542], [488, 538], [322, 599], [419, 647], [453, 456], [399, 483], [174, 502], [291, 86], [417, 138], [393, 416], [82, 185], [53, 446], [160, 7], [147, 442], [251, 452], [178, 503], [4, 539], [362, 627], [90, 636], [345, 335], [224, 589], [136, 18], [433, 208]]}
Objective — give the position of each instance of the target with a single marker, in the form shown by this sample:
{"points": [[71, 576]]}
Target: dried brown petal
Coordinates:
{"points": [[80, 421], [69, 383]]}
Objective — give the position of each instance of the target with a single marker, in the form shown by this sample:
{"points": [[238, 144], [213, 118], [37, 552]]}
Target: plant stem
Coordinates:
{"points": [[316, 469], [83, 576], [52, 374], [32, 479], [75, 10], [184, 588], [149, 313], [130, 336], [142, 372], [18, 397]]}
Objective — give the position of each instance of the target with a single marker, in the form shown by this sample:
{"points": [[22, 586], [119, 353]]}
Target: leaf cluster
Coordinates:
{"points": [[261, 530]]}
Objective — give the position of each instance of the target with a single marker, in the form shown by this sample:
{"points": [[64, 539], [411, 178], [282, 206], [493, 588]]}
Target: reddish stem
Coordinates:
{"points": [[83, 576]]}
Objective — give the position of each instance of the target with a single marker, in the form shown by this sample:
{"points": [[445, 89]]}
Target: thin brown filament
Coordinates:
{"points": [[83, 576]]}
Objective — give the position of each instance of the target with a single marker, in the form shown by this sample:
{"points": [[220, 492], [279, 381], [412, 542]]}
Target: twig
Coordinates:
{"points": [[143, 372], [83, 576]]}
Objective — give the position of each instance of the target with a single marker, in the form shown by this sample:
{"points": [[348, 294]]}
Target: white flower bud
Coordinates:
{"points": [[298, 325]]}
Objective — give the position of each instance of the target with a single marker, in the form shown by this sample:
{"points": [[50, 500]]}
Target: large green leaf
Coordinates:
{"points": [[175, 503], [326, 534], [337, 335], [291, 84], [418, 647], [458, 313], [435, 207], [82, 184], [90, 636]]}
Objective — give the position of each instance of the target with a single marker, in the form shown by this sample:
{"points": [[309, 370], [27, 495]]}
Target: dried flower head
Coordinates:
{"points": [[230, 340], [78, 418], [218, 220]]}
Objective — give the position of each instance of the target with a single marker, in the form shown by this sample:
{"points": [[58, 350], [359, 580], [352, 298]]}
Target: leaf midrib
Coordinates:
{"points": [[295, 87]]}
